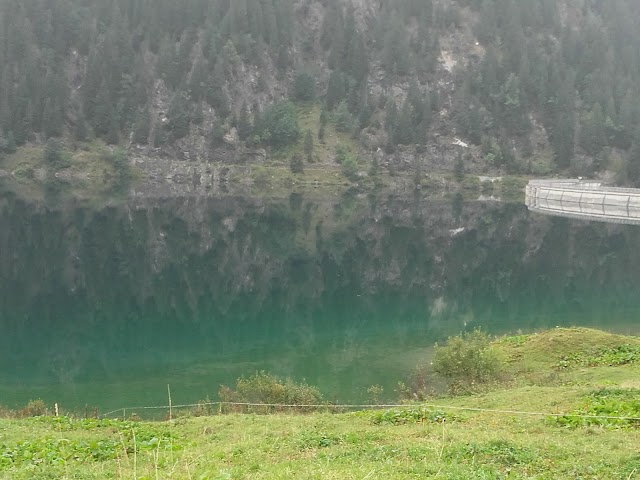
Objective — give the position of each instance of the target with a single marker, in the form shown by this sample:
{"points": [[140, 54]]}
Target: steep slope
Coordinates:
{"points": [[494, 85]]}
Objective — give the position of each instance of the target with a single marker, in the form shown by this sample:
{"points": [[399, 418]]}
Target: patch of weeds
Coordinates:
{"points": [[606, 402], [402, 416], [65, 423], [515, 340], [384, 453], [49, 451], [502, 452], [56, 452], [597, 469], [631, 465], [611, 356], [147, 436], [222, 475], [317, 439]]}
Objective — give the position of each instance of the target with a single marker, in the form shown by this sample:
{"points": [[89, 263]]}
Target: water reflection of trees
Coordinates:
{"points": [[158, 283]]}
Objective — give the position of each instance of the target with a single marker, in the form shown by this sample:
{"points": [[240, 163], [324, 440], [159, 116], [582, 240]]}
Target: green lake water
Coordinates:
{"points": [[103, 307]]}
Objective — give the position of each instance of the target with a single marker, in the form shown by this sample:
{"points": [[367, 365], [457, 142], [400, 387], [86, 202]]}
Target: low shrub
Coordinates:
{"points": [[265, 388], [6, 412], [35, 408], [416, 387], [348, 161], [375, 394], [467, 361]]}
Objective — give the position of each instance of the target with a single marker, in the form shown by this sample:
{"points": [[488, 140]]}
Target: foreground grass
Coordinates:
{"points": [[552, 376]]}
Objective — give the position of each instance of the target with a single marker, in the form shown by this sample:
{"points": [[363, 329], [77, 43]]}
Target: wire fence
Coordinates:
{"points": [[343, 407]]}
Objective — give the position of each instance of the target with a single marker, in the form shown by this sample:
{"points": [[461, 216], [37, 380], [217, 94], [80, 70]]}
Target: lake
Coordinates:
{"points": [[104, 306]]}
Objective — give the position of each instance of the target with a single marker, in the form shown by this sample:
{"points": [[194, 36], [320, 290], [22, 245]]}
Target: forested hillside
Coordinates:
{"points": [[535, 86]]}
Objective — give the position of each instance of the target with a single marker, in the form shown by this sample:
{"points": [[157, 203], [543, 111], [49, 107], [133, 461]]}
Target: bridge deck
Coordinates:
{"points": [[586, 200]]}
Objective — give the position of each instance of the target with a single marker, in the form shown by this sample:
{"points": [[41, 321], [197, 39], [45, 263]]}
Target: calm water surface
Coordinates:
{"points": [[105, 307]]}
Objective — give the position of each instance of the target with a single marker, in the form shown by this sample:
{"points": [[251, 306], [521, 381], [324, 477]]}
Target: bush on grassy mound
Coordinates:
{"points": [[467, 361], [265, 388]]}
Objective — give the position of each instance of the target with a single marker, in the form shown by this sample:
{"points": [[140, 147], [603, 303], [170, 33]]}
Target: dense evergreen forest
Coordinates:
{"points": [[535, 86]]}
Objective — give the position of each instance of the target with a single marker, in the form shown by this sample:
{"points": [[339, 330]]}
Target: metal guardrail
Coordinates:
{"points": [[584, 199]]}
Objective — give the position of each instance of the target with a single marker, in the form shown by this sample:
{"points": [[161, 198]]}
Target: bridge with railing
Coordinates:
{"points": [[585, 199]]}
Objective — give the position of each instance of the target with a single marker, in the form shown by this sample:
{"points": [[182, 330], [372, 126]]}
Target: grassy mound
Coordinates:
{"points": [[549, 348]]}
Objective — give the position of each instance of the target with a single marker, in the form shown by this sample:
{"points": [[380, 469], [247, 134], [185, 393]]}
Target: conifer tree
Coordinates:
{"points": [[633, 162], [52, 118], [296, 163], [458, 170], [244, 124], [391, 120], [112, 136], [304, 87], [103, 114], [216, 94], [11, 143], [404, 130], [336, 90], [308, 146], [179, 117], [141, 127], [592, 131], [80, 131]]}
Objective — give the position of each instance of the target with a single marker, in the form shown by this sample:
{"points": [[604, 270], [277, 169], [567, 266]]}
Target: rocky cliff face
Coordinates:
{"points": [[257, 86]]}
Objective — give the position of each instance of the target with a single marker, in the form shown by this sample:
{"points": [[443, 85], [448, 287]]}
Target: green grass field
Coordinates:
{"points": [[574, 371]]}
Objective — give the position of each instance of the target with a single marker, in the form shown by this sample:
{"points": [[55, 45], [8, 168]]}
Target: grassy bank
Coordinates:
{"points": [[85, 171], [581, 372], [101, 174]]}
